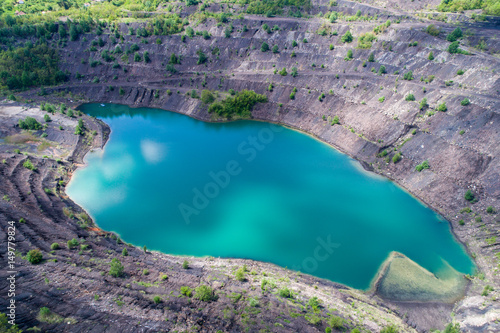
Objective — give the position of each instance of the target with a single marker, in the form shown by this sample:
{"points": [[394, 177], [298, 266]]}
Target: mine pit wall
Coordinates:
{"points": [[367, 126]]}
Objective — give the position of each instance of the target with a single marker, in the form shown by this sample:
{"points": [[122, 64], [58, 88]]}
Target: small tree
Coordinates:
{"points": [[34, 256], [202, 58], [423, 104], [408, 76], [442, 107], [469, 196], [54, 246], [157, 299], [30, 123], [264, 47], [185, 264], [410, 98], [465, 102], [349, 55], [116, 268], [124, 252], [240, 274], [431, 56], [207, 97], [371, 57], [347, 37], [204, 293], [275, 49]]}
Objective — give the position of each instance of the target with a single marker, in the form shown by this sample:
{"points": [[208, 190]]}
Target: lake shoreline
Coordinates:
{"points": [[371, 288]]}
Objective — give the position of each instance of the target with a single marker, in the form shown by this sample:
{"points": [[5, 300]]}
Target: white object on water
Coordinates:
{"points": [[103, 105]]}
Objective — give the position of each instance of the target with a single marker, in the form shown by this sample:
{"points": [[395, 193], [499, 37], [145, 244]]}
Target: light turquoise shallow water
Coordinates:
{"points": [[283, 197]]}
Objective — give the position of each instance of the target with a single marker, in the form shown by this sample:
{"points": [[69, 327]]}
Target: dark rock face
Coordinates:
{"points": [[461, 146]]}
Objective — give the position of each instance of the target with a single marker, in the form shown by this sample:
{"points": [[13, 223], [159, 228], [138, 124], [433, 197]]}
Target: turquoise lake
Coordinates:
{"points": [[253, 190]]}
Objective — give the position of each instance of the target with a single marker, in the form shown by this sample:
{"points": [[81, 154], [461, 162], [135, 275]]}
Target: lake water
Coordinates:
{"points": [[253, 190]]}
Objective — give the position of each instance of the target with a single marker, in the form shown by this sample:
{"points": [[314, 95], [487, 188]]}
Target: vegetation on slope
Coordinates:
{"points": [[239, 105], [490, 7], [29, 66]]}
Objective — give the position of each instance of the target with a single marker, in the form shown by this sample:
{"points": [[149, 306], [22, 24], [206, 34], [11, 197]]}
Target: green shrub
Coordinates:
{"points": [[431, 56], [185, 264], [410, 97], [80, 128], [454, 35], [423, 104], [487, 289], [347, 37], [207, 97], [461, 222], [408, 76], [264, 47], [34, 256], [54, 246], [204, 293], [381, 99], [124, 252], [382, 70], [422, 166], [469, 196], [465, 102], [460, 72], [349, 55], [46, 118], [240, 105], [202, 58], [397, 157], [253, 302], [454, 48], [335, 120], [186, 291], [30, 123], [433, 30], [442, 107], [337, 322], [72, 243], [390, 329], [240, 274], [47, 316], [116, 268], [490, 210], [285, 293], [275, 49], [28, 165]]}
